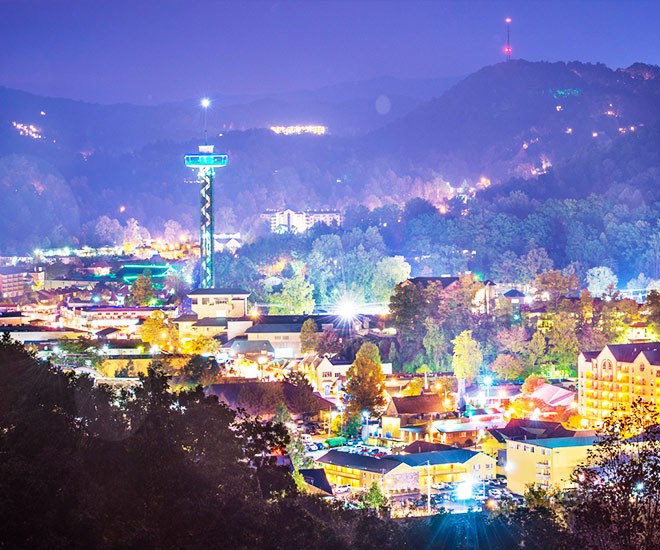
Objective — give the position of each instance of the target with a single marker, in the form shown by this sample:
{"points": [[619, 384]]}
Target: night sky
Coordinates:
{"points": [[148, 51]]}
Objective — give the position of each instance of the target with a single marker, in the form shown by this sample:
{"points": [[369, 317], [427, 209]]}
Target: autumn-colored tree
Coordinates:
{"points": [[328, 343], [563, 345], [201, 345], [512, 341], [365, 386], [158, 330], [536, 351], [467, 357], [556, 284], [142, 291], [532, 382], [435, 344], [309, 336], [414, 387], [507, 367]]}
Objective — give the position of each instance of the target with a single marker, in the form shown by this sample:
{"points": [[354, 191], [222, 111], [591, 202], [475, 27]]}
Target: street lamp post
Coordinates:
{"points": [[428, 488], [488, 382], [365, 432]]}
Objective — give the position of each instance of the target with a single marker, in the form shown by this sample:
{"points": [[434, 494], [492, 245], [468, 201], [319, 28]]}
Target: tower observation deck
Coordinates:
{"points": [[206, 161]]}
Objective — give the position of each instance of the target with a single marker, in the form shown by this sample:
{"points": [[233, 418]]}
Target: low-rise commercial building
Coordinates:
{"points": [[406, 472]]}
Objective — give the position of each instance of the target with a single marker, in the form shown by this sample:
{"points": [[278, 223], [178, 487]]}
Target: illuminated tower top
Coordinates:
{"points": [[206, 161]]}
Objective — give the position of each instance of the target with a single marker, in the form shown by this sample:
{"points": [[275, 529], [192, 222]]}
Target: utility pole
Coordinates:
{"points": [[428, 489]]}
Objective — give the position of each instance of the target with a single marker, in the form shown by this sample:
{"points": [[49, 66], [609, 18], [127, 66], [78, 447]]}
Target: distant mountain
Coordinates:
{"points": [[516, 119], [347, 109], [554, 130]]}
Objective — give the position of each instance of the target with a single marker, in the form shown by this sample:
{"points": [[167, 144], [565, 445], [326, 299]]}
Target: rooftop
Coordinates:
{"points": [[433, 458], [219, 292], [561, 442], [417, 404], [359, 462], [284, 327]]}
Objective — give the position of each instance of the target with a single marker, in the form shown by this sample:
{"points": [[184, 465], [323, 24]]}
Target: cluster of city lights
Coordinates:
{"points": [[297, 130], [28, 130]]}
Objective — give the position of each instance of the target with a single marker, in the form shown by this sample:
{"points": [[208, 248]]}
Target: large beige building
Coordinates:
{"points": [[210, 303], [545, 462], [610, 380], [299, 222]]}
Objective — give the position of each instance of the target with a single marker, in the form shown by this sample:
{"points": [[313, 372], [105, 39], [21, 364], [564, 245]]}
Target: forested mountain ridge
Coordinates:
{"points": [[517, 119], [550, 130]]}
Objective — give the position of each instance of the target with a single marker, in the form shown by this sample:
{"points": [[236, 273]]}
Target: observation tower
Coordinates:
{"points": [[205, 162]]}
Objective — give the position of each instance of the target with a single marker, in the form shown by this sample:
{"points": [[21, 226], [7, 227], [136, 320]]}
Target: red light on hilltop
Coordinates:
{"points": [[507, 50]]}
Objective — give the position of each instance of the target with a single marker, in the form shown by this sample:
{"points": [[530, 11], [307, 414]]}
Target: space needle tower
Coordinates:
{"points": [[205, 162]]}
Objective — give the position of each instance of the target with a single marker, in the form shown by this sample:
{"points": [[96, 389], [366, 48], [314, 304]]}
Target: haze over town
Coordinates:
{"points": [[353, 274]]}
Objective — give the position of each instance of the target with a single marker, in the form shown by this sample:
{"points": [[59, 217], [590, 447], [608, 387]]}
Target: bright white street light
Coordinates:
{"points": [[206, 103], [464, 490]]}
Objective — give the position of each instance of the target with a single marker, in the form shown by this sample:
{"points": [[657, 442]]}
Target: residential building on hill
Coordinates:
{"points": [[611, 379], [282, 221]]}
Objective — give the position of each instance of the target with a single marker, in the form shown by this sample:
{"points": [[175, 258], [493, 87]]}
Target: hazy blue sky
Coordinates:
{"points": [[149, 51]]}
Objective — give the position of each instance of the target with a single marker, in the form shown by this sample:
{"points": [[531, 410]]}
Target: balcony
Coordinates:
{"points": [[543, 476], [542, 465]]}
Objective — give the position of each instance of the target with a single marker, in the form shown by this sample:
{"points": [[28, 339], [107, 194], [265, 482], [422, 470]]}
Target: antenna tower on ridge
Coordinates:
{"points": [[507, 48]]}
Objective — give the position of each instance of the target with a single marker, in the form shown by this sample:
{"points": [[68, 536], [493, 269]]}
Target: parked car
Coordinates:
{"points": [[342, 489]]}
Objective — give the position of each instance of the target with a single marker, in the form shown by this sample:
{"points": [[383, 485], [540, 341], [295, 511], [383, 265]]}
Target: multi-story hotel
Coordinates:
{"points": [[612, 379], [298, 222]]}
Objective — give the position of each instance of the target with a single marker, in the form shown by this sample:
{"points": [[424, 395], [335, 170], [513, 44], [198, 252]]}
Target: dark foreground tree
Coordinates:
{"points": [[86, 467], [616, 503]]}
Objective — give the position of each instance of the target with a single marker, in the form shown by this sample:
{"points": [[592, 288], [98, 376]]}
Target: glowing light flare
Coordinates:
{"points": [[464, 490], [346, 308], [205, 102]]}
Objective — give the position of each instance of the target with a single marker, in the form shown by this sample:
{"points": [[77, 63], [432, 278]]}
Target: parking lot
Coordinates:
{"points": [[451, 497]]}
